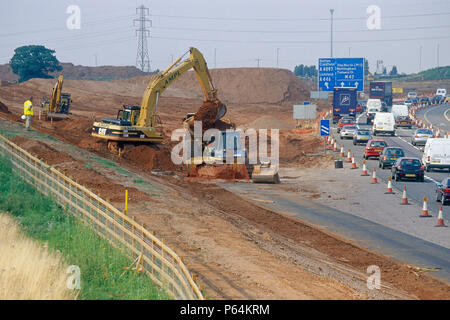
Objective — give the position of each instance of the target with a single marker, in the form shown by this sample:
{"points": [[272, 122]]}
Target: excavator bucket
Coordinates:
{"points": [[265, 173]]}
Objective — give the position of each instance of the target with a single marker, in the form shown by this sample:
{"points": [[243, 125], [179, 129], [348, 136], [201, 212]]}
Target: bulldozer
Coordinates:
{"points": [[59, 105], [141, 124]]}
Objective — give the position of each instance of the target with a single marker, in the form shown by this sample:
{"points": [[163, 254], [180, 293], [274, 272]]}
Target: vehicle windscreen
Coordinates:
{"points": [[411, 163], [378, 144], [403, 118], [424, 131], [395, 153], [373, 110], [363, 133], [346, 121], [350, 128]]}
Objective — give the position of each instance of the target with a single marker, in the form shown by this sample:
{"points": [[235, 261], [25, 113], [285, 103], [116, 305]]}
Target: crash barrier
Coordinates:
{"points": [[158, 261]]}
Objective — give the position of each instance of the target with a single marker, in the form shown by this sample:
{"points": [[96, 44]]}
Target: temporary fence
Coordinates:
{"points": [[158, 261]]}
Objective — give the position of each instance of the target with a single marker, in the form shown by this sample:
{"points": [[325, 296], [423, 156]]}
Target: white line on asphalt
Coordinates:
{"points": [[445, 115], [431, 179]]}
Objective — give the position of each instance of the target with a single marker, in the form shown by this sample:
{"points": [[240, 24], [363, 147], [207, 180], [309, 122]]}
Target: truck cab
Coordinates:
{"points": [[344, 103]]}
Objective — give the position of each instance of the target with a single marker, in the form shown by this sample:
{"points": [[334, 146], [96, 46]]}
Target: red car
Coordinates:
{"points": [[374, 148], [344, 122]]}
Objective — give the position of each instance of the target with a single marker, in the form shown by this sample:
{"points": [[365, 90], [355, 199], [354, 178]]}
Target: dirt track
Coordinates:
{"points": [[238, 250]]}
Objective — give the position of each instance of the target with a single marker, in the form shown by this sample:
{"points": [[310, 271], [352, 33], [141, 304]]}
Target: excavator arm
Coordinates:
{"points": [[196, 61], [56, 95]]}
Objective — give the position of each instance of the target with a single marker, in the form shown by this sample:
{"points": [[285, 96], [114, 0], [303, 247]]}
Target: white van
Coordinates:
{"points": [[400, 110], [384, 122], [441, 92], [373, 106], [436, 154]]}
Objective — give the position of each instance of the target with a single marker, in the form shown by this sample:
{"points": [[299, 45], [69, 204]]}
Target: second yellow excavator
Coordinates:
{"points": [[59, 105]]}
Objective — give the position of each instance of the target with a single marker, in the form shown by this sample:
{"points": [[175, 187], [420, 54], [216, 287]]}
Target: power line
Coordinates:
{"points": [[300, 42], [300, 31], [142, 58], [297, 19]]}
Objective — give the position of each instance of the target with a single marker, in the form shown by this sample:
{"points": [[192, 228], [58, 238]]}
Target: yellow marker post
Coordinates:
{"points": [[126, 201]]}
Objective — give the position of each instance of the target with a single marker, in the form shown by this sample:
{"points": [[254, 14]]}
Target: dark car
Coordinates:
{"points": [[443, 191], [415, 101], [389, 156], [384, 107], [408, 168]]}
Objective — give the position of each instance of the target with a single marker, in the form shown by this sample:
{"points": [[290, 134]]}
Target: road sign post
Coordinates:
{"points": [[341, 72], [324, 132]]}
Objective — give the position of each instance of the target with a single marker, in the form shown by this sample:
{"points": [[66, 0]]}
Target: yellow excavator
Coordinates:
{"points": [[141, 123], [59, 105]]}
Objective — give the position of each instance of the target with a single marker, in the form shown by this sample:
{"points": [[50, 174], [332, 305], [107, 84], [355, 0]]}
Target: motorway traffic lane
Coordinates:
{"points": [[437, 115], [415, 191]]}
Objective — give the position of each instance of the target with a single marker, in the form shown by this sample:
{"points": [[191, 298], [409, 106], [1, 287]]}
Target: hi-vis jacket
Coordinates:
{"points": [[28, 108]]}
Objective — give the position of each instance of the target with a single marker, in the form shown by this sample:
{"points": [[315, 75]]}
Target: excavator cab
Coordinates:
{"points": [[129, 114]]}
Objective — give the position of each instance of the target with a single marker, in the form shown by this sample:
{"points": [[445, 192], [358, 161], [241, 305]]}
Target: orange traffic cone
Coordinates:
{"points": [[425, 209], [438, 133], [389, 187], [349, 156], [353, 162], [335, 147], [364, 170], [440, 221], [404, 198], [374, 176], [342, 151]]}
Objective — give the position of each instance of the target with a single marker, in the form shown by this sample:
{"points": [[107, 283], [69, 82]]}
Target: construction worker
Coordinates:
{"points": [[28, 112]]}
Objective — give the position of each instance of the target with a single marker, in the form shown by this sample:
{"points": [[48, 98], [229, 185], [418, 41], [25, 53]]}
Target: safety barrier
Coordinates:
{"points": [[160, 262]]}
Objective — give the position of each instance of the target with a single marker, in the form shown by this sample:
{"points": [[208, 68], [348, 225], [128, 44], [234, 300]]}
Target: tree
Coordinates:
{"points": [[34, 62], [305, 71], [394, 71]]}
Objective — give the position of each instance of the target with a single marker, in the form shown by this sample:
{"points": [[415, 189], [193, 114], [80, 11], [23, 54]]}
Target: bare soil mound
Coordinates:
{"points": [[269, 122], [251, 85], [150, 157], [300, 149]]}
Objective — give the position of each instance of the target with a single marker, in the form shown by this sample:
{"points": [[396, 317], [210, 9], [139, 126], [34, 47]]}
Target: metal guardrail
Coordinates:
{"points": [[159, 261]]}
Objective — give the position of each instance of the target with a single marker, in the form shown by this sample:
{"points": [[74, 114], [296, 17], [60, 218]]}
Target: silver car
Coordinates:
{"points": [[420, 137], [348, 132], [362, 136]]}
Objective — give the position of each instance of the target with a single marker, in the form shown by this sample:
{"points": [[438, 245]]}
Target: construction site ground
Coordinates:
{"points": [[236, 248]]}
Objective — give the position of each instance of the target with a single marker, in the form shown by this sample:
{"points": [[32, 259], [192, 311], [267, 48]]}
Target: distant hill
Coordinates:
{"points": [[440, 73], [70, 71], [435, 73]]}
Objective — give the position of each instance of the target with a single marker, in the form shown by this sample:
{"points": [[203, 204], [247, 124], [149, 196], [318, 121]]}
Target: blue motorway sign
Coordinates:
{"points": [[341, 72], [324, 127]]}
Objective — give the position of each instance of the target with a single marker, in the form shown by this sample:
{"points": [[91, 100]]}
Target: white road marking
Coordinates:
{"points": [[431, 179], [445, 115]]}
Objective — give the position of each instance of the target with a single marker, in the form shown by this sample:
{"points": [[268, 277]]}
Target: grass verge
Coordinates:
{"points": [[100, 263]]}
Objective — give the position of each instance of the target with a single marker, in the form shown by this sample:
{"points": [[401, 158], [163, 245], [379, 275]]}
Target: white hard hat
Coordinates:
{"points": [[23, 117]]}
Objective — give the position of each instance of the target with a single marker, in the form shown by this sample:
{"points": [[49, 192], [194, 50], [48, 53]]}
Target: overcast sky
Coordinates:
{"points": [[239, 31]]}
